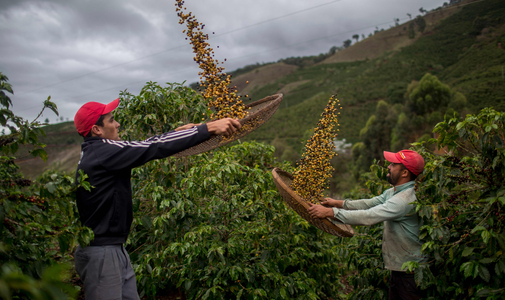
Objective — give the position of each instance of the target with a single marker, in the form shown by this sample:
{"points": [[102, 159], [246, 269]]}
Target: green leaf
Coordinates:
{"points": [[486, 260], [51, 187], [418, 276], [283, 294], [475, 269], [478, 228], [499, 267], [460, 125], [467, 269], [51, 105], [82, 176], [495, 161], [63, 241], [484, 273], [207, 294], [4, 290], [410, 266], [426, 245], [486, 235], [14, 147], [262, 292], [39, 152], [483, 293], [467, 251], [187, 284], [87, 186], [501, 240]]}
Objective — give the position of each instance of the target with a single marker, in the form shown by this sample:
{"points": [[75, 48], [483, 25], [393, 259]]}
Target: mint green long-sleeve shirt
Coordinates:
{"points": [[400, 241]]}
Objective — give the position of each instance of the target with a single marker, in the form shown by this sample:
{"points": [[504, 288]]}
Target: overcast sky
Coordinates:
{"points": [[80, 51]]}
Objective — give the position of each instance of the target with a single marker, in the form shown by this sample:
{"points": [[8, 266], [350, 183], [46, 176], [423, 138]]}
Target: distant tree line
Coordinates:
{"points": [[407, 115]]}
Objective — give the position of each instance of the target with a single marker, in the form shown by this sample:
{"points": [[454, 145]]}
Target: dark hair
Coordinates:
{"points": [[412, 176], [98, 122]]}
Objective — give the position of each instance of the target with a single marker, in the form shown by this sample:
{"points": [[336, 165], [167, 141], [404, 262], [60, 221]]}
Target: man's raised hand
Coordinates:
{"points": [[226, 126], [332, 202]]}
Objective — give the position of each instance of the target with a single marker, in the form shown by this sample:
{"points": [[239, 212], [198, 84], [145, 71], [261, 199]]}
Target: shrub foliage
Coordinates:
{"points": [[461, 198], [38, 223], [214, 227]]}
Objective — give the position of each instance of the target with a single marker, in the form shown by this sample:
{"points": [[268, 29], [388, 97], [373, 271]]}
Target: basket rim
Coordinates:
{"points": [[271, 103], [276, 172], [272, 99], [267, 98]]}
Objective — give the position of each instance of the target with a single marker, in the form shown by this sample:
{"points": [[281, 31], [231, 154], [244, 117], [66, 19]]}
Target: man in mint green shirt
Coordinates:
{"points": [[401, 223]]}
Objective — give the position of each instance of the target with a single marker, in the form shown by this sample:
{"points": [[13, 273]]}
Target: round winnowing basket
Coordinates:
{"points": [[283, 181], [259, 112]]}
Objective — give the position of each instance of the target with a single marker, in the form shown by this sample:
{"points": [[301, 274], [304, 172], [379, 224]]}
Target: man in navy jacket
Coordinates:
{"points": [[104, 266]]}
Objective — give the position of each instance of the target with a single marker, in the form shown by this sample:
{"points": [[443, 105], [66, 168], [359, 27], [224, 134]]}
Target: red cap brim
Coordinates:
{"points": [[391, 157], [111, 106]]}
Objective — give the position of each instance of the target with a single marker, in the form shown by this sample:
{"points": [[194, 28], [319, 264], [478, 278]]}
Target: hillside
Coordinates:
{"points": [[463, 50], [463, 45], [262, 76], [392, 39], [63, 147]]}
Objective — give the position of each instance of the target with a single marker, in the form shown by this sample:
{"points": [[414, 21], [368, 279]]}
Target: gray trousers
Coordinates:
{"points": [[106, 272]]}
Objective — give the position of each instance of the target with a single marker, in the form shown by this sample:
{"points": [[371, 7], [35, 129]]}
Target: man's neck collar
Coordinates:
{"points": [[90, 138], [403, 186]]}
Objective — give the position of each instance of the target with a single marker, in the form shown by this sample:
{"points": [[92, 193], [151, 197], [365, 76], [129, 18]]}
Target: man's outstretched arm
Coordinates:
{"points": [[118, 155], [395, 207]]}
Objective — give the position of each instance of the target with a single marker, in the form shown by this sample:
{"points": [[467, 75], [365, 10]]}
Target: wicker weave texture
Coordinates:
{"points": [[283, 180], [260, 111]]}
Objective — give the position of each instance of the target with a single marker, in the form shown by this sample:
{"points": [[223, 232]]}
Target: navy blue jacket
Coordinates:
{"points": [[107, 208]]}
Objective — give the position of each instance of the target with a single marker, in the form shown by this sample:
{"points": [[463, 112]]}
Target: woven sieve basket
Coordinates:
{"points": [[283, 181], [260, 111]]}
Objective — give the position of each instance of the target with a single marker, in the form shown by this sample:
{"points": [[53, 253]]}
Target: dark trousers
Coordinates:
{"points": [[106, 272], [402, 286]]}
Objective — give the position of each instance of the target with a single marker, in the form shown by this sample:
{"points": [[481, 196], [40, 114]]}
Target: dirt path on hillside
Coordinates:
{"points": [[62, 158]]}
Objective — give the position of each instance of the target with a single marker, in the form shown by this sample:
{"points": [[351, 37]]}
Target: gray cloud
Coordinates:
{"points": [[79, 51]]}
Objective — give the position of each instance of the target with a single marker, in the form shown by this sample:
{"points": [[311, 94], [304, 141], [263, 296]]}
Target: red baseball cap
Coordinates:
{"points": [[412, 160], [89, 113]]}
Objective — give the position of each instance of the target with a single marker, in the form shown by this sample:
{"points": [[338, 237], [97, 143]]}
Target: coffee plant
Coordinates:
{"points": [[213, 225], [39, 228]]}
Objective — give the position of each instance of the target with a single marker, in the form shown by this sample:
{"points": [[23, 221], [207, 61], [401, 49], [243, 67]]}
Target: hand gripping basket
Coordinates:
{"points": [[283, 181], [260, 111]]}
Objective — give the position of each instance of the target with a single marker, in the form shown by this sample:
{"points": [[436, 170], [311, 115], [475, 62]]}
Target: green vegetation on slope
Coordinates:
{"points": [[463, 51], [303, 105]]}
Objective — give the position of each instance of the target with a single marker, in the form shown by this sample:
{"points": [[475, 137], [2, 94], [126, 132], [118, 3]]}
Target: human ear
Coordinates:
{"points": [[96, 130]]}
